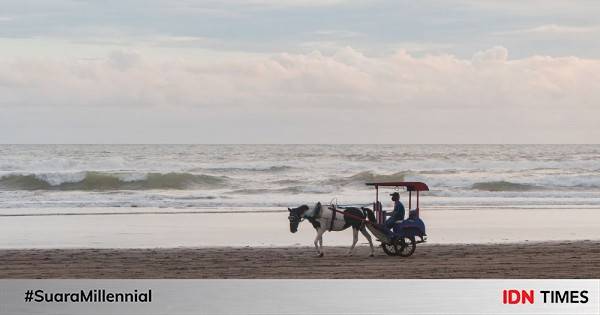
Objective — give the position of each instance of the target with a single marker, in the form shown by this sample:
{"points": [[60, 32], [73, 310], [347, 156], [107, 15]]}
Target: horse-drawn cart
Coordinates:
{"points": [[402, 238], [398, 238]]}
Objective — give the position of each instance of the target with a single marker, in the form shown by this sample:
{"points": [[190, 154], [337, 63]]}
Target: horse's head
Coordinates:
{"points": [[296, 216]]}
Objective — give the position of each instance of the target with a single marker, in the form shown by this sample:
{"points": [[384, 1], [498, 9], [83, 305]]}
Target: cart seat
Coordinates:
{"points": [[412, 214]]}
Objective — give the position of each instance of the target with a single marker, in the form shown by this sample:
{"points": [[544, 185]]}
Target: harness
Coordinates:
{"points": [[332, 208], [313, 215], [316, 211]]}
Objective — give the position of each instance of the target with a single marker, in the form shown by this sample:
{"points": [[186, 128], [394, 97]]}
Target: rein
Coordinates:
{"points": [[350, 215], [332, 218], [355, 205]]}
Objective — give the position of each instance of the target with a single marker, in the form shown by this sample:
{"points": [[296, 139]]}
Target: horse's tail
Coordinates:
{"points": [[369, 213]]}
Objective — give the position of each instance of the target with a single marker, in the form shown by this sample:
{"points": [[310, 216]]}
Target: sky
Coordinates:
{"points": [[299, 71]]}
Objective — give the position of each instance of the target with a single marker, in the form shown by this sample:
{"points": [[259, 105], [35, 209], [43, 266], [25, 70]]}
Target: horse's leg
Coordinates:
{"points": [[354, 240], [321, 242], [364, 232], [317, 243], [319, 239]]}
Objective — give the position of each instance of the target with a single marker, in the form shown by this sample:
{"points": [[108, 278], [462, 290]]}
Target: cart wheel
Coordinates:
{"points": [[406, 246], [390, 249]]}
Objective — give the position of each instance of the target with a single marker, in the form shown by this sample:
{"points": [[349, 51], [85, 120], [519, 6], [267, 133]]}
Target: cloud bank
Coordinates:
{"points": [[488, 80], [487, 98]]}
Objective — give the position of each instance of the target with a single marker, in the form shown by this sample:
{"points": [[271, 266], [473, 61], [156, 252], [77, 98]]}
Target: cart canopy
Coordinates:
{"points": [[410, 186]]}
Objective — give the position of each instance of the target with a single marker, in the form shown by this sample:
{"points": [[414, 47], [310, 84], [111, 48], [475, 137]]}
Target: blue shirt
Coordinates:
{"points": [[398, 213]]}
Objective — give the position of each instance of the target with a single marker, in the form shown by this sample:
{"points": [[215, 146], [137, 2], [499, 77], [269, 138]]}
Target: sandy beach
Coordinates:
{"points": [[578, 259], [169, 243]]}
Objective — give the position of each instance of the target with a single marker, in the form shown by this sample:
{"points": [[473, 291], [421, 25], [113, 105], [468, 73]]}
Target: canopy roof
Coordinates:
{"points": [[411, 186]]}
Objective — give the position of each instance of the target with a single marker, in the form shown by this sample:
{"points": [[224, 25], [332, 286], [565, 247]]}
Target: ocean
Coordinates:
{"points": [[75, 178]]}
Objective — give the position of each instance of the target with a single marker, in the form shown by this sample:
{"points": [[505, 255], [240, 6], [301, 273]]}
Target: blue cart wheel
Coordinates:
{"points": [[406, 246], [390, 249]]}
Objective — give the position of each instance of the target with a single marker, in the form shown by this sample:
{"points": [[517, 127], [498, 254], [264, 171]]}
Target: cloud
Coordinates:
{"points": [[533, 8], [289, 3], [494, 54], [124, 60], [345, 78], [447, 94], [336, 34], [459, 26], [553, 29]]}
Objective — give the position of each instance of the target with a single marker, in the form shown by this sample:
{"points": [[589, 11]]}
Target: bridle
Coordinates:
{"points": [[294, 218]]}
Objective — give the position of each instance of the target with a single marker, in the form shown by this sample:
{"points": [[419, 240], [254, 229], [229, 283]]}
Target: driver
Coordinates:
{"points": [[398, 213]]}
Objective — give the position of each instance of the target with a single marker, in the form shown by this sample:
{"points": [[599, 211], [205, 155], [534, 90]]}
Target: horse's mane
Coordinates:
{"points": [[316, 212]]}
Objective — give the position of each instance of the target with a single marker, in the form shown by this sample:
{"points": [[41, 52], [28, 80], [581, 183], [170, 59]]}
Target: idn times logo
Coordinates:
{"points": [[514, 296]]}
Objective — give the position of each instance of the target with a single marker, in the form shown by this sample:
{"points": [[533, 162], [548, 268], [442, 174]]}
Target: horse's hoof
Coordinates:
{"points": [[372, 255], [320, 255]]}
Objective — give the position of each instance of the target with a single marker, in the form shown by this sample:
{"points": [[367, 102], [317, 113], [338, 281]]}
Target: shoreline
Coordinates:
{"points": [[271, 229], [544, 260], [361, 243]]}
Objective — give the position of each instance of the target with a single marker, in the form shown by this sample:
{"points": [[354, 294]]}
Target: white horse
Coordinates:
{"points": [[327, 219]]}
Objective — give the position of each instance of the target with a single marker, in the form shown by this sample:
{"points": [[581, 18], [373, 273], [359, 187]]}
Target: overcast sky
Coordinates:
{"points": [[299, 71]]}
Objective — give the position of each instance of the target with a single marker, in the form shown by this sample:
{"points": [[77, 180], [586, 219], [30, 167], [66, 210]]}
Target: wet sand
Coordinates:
{"points": [[170, 228], [577, 259]]}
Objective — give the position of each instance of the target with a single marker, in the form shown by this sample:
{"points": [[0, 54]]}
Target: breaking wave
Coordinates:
{"points": [[285, 190], [504, 186], [367, 176], [359, 179], [99, 181], [270, 169]]}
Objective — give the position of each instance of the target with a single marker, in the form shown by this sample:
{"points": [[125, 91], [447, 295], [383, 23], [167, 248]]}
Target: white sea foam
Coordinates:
{"points": [[80, 176], [55, 179]]}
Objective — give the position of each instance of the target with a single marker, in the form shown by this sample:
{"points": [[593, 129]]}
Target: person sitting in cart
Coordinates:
{"points": [[398, 213]]}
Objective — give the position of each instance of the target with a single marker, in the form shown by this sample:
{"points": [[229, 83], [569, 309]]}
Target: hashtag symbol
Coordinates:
{"points": [[28, 295]]}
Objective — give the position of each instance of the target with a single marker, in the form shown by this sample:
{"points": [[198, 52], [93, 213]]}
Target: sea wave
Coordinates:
{"points": [[99, 181], [369, 176], [294, 190], [504, 186], [270, 169]]}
